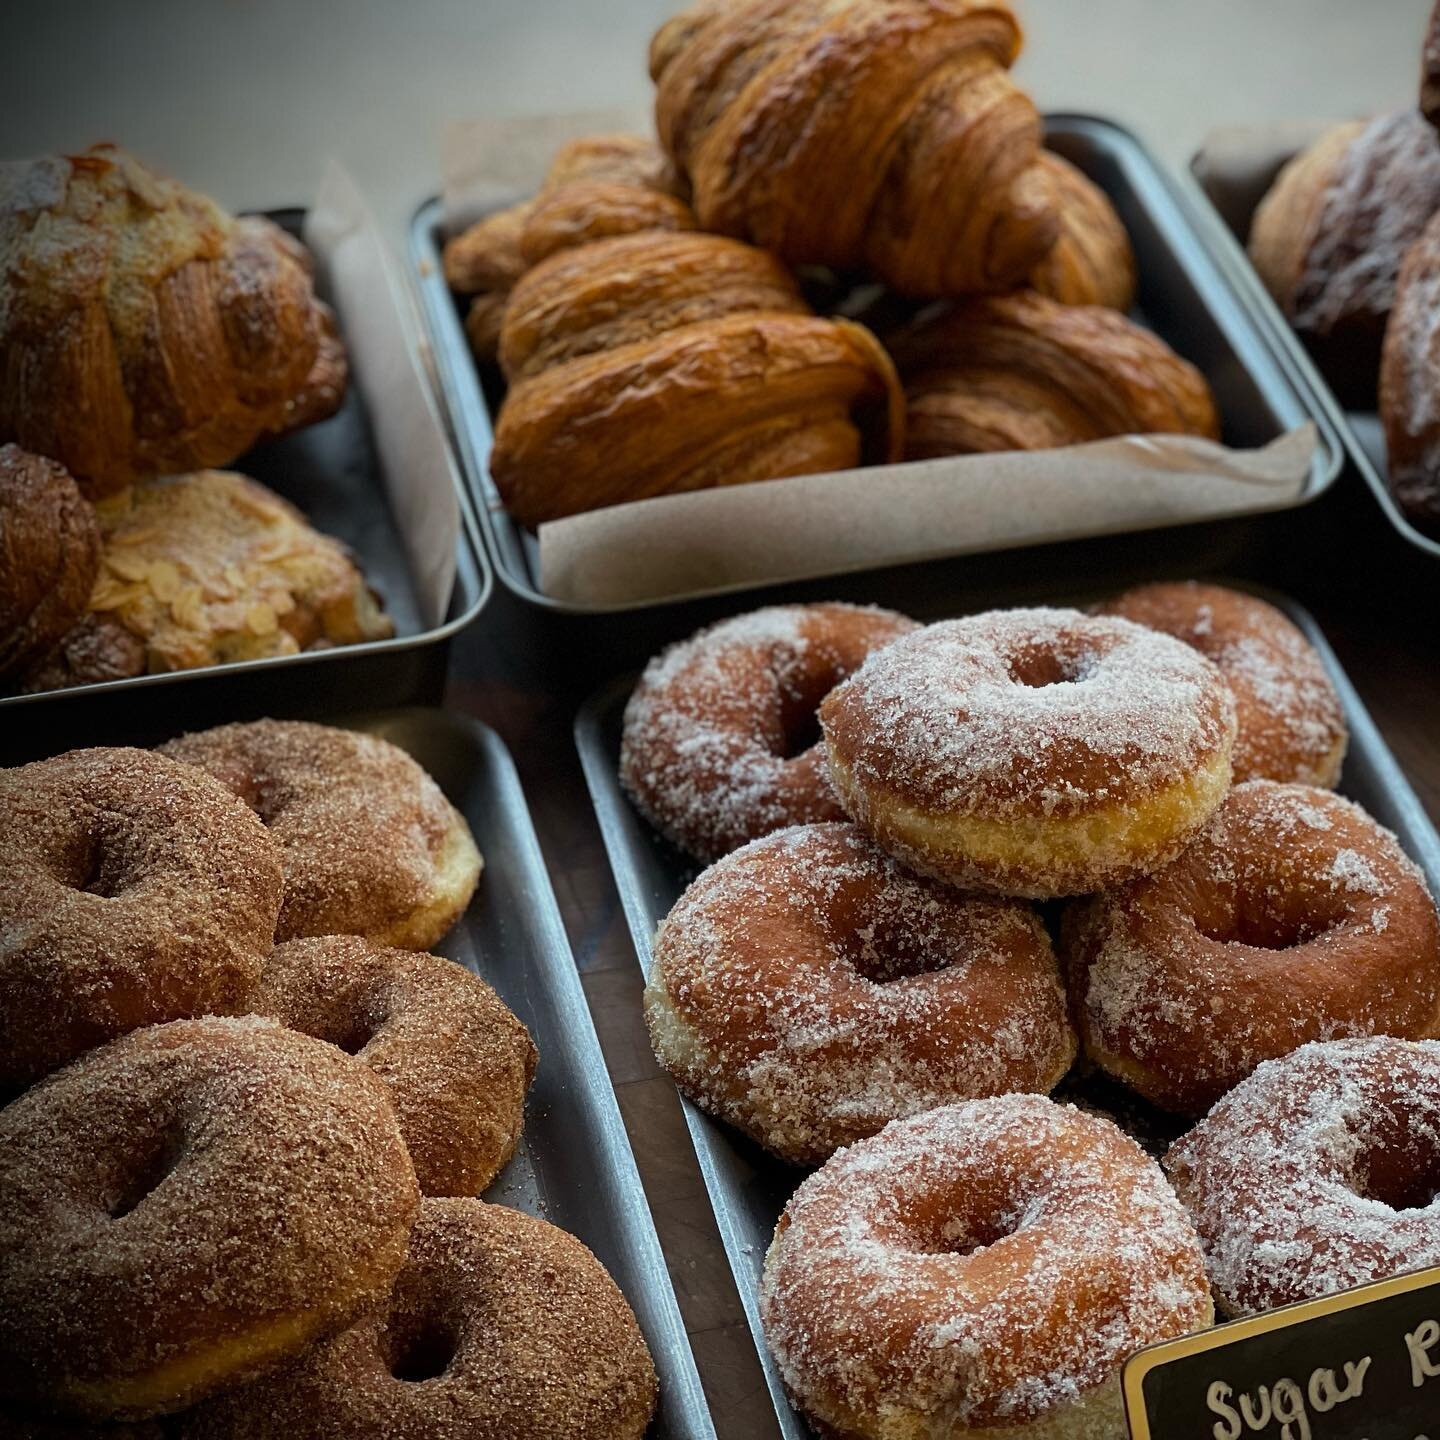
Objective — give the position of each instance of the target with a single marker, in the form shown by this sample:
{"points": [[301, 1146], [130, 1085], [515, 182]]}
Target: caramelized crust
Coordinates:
{"points": [[653, 364], [95, 650], [1410, 382], [49, 557], [176, 335], [1092, 262], [883, 135], [487, 257], [1021, 372]]}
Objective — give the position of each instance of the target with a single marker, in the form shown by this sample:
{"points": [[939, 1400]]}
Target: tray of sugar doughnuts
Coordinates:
{"points": [[308, 1129], [1041, 984]]}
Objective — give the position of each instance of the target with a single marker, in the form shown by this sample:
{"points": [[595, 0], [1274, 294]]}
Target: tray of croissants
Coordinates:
{"points": [[851, 262], [1342, 226], [200, 422]]}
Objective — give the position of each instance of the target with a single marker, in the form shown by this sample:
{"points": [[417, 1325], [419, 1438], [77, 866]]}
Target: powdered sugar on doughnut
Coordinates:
{"points": [[985, 1263], [1319, 1173]]}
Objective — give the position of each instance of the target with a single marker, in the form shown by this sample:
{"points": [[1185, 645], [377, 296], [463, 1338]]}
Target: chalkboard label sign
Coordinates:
{"points": [[1361, 1365]]}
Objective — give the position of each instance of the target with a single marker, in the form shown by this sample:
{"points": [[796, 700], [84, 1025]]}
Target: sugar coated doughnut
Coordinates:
{"points": [[808, 990], [500, 1327], [457, 1062], [1318, 1173], [984, 1269], [133, 890], [370, 845], [719, 746], [1031, 752], [1292, 917], [1290, 724], [186, 1206]]}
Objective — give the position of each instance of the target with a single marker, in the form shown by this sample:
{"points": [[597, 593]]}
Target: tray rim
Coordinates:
{"points": [[1244, 275], [466, 411], [608, 802]]}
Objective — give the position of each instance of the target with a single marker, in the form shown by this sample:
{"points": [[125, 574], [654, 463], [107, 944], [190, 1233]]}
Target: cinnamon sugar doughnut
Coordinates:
{"points": [[456, 1061], [1318, 1173], [188, 1205], [1031, 752], [717, 749], [808, 990], [370, 845], [1292, 917], [983, 1269], [1290, 724], [132, 890], [500, 1327]]}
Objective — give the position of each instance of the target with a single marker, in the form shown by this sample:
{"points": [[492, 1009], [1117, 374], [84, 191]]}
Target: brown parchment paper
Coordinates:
{"points": [[811, 525], [353, 270]]}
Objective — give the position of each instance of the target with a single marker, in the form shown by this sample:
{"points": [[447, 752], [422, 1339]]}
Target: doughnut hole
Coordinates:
{"points": [[147, 1168], [421, 1348], [1039, 667], [1399, 1160], [795, 727]]}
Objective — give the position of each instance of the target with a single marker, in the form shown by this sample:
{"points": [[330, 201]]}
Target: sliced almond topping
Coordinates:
{"points": [[260, 619], [164, 580]]}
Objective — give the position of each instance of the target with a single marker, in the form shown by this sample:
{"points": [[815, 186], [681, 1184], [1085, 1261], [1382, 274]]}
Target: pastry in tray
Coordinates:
{"points": [[146, 331]]}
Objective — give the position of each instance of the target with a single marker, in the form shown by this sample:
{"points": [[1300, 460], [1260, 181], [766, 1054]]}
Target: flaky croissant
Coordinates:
{"points": [[596, 186], [144, 330], [655, 363], [1021, 372], [1091, 263], [876, 135]]}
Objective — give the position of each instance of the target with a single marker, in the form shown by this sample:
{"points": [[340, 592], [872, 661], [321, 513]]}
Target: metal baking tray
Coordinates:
{"points": [[1227, 216], [331, 472], [1186, 295], [747, 1187]]}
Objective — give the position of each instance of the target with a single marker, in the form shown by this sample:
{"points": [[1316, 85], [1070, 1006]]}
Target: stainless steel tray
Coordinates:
{"points": [[748, 1188], [1186, 295], [331, 472], [1230, 211]]}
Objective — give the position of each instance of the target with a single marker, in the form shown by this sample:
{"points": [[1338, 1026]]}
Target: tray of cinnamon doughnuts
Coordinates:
{"points": [[966, 337], [1041, 984], [308, 1129], [218, 461]]}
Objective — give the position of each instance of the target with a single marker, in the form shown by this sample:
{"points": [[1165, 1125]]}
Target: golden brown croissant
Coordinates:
{"points": [[655, 363], [596, 186], [1410, 382], [49, 556], [879, 135], [1092, 262], [145, 331], [1021, 372], [1329, 236]]}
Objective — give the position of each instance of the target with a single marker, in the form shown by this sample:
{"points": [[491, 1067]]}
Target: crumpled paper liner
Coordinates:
{"points": [[354, 272], [811, 525]]}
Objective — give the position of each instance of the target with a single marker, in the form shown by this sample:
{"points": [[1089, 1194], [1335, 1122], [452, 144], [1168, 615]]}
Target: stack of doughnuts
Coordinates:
{"points": [[861, 979], [239, 1178]]}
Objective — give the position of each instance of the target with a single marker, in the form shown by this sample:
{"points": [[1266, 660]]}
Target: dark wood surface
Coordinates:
{"points": [[526, 674]]}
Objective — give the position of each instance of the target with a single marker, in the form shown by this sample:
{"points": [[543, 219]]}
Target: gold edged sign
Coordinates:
{"points": [[1360, 1365]]}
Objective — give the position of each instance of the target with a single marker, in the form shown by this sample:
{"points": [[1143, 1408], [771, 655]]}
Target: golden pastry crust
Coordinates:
{"points": [[1091, 262], [49, 557], [148, 332], [653, 364], [879, 135], [213, 567], [93, 651], [1022, 372]]}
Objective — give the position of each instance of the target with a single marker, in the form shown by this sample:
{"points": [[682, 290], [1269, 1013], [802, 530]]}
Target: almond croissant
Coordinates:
{"points": [[655, 363], [879, 135], [1021, 372], [144, 330]]}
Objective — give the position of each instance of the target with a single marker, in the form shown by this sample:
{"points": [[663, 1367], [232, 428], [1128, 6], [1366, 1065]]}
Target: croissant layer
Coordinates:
{"points": [[1091, 263]]}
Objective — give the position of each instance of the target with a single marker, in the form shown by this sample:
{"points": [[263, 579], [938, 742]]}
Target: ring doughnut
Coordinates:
{"points": [[186, 1206], [456, 1061], [717, 746], [1292, 917], [134, 891], [981, 1270], [369, 844], [500, 1325], [808, 990], [1317, 1173], [1031, 752], [1290, 723]]}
